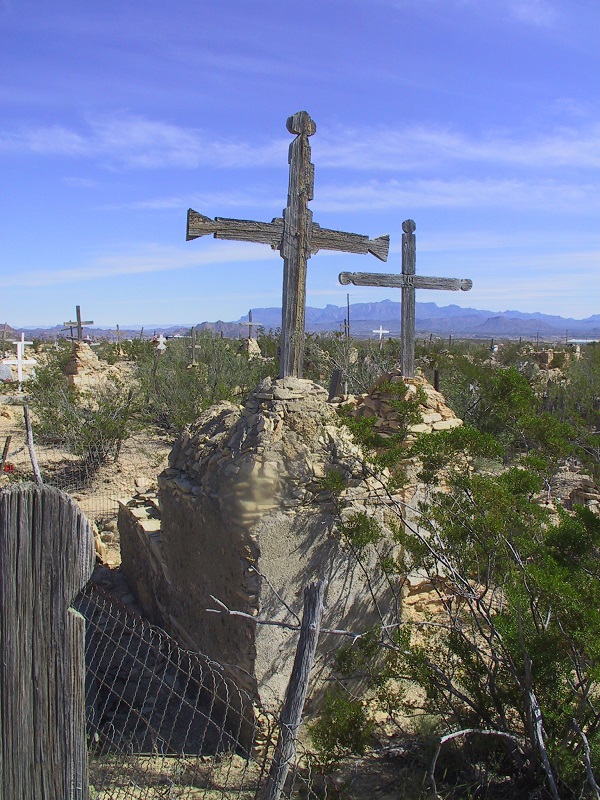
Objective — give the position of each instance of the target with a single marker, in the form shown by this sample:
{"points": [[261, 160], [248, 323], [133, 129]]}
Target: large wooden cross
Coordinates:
{"points": [[78, 324], [296, 237], [408, 282]]}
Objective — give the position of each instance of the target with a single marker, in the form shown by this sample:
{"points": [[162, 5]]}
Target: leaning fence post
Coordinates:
{"points": [[5, 453], [30, 446], [295, 695], [46, 557]]}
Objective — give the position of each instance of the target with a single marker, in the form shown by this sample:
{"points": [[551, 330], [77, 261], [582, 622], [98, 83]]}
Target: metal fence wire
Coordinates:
{"points": [[95, 479], [164, 722]]}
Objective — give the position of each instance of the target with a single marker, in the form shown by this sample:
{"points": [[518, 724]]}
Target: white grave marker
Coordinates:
{"points": [[381, 331], [20, 360], [161, 344]]}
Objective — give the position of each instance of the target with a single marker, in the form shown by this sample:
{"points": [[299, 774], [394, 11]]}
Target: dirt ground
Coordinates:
{"points": [[97, 492]]}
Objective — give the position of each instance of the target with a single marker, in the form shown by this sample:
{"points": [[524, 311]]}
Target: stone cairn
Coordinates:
{"points": [[247, 518], [436, 415], [83, 366]]}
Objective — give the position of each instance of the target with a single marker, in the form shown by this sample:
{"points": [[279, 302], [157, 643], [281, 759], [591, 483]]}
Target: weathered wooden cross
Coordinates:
{"points": [[296, 237], [78, 324], [251, 324], [408, 282], [20, 360]]}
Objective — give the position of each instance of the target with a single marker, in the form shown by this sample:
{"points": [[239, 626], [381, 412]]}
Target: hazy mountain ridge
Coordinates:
{"points": [[431, 318], [366, 317]]}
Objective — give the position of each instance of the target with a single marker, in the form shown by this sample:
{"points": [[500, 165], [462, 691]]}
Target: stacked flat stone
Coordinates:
{"points": [[435, 414], [247, 518], [586, 494], [83, 366]]}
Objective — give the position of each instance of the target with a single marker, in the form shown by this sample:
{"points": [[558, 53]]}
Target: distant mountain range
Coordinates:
{"points": [[430, 318], [366, 317]]}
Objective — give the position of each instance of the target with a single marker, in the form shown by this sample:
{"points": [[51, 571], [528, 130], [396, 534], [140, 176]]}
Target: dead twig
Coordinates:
{"points": [[587, 757], [466, 732]]}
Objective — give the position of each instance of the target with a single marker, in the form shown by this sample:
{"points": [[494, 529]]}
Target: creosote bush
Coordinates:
{"points": [[508, 663]]}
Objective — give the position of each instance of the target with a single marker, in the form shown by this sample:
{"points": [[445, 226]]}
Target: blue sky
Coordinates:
{"points": [[479, 119]]}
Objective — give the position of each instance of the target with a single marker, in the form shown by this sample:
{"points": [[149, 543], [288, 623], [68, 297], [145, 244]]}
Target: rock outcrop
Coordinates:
{"points": [[250, 507]]}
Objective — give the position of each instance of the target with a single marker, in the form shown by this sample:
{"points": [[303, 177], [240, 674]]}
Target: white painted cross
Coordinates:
{"points": [[381, 331], [161, 344], [408, 282], [20, 360]]}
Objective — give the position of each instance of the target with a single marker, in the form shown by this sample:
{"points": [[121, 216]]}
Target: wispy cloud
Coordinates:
{"points": [[141, 143], [145, 261], [461, 193], [137, 142], [539, 13], [536, 12], [428, 147], [206, 202]]}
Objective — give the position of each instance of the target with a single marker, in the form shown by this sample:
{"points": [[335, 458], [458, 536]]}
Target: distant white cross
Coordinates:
{"points": [[161, 343], [20, 360], [381, 331]]}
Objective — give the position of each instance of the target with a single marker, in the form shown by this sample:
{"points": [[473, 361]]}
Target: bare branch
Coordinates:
{"points": [[466, 732], [587, 757]]}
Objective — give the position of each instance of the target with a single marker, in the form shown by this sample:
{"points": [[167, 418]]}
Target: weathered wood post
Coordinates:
{"points": [[295, 695], [46, 557], [408, 321]]}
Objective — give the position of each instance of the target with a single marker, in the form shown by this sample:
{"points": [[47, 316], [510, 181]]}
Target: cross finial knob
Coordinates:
{"points": [[301, 122], [409, 226]]}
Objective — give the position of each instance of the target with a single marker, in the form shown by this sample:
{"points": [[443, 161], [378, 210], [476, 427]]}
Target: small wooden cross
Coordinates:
{"points": [[408, 282], [20, 360], [78, 324], [296, 237], [251, 324], [118, 332]]}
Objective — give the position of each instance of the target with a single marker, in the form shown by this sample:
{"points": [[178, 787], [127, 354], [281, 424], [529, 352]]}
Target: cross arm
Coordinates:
{"points": [[326, 239], [241, 230], [404, 281]]}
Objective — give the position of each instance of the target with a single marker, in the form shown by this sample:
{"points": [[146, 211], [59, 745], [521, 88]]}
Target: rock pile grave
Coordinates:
{"points": [[83, 367], [245, 515], [247, 518]]}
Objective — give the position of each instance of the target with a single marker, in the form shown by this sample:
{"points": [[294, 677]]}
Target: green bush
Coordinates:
{"points": [[343, 727]]}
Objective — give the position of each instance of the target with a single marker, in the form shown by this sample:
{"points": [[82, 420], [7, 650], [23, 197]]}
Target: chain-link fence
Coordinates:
{"points": [[164, 722]]}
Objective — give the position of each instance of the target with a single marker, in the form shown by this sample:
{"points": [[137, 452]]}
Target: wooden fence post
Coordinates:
{"points": [[46, 557], [295, 695]]}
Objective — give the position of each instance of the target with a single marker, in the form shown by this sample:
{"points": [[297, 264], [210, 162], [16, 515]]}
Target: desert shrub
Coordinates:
{"points": [[174, 393], [90, 423], [343, 727]]}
